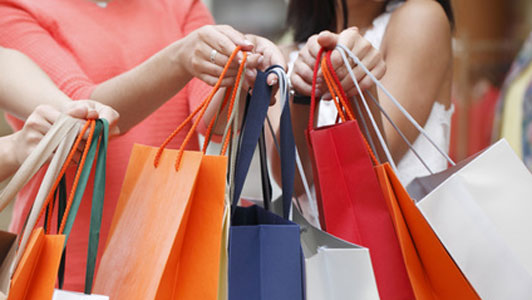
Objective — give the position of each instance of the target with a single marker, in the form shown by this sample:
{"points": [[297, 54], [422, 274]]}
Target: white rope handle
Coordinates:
{"points": [[368, 111], [377, 130], [396, 103]]}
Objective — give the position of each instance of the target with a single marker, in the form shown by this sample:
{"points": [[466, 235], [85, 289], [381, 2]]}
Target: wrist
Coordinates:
{"points": [[10, 152], [176, 56]]}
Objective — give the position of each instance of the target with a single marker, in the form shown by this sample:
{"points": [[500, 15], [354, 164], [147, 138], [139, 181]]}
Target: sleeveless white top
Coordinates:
{"points": [[437, 126]]}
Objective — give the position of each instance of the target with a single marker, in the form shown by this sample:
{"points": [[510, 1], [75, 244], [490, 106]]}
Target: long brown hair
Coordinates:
{"points": [[308, 17]]}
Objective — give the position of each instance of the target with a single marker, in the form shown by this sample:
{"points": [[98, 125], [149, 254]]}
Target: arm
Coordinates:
{"points": [[136, 93], [418, 55], [16, 147]]}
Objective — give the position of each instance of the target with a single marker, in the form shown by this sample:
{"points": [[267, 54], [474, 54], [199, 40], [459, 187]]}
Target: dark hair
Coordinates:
{"points": [[308, 17]]}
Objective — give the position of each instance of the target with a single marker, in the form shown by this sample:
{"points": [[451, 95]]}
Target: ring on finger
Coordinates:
{"points": [[213, 55]]}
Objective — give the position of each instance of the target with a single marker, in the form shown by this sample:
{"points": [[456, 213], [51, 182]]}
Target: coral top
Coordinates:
{"points": [[80, 44]]}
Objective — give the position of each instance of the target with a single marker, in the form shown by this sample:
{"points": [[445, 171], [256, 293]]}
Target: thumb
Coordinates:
{"points": [[328, 40]]}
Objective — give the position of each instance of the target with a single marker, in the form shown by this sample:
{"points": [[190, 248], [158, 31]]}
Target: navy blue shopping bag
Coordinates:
{"points": [[265, 257]]}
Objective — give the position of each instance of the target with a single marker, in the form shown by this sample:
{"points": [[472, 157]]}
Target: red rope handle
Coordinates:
{"points": [[328, 68], [313, 91], [200, 109]]}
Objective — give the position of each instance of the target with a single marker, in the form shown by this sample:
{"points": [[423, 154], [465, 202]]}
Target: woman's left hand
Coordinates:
{"points": [[265, 54], [361, 48]]}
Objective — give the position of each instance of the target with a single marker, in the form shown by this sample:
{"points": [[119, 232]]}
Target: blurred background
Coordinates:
{"points": [[487, 38]]}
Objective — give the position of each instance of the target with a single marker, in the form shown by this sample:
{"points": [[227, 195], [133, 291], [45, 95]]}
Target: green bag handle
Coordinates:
{"points": [[98, 196], [101, 134]]}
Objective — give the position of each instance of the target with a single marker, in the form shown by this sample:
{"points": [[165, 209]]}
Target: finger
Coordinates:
{"points": [[349, 37], [378, 72], [254, 61], [250, 76], [38, 124], [272, 80], [312, 46], [212, 80], [362, 48], [48, 113], [304, 71], [236, 37], [111, 115], [303, 87], [327, 39], [215, 38]]}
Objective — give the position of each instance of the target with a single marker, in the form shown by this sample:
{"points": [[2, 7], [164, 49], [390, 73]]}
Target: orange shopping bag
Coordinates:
{"points": [[432, 272], [29, 270], [36, 276], [166, 234]]}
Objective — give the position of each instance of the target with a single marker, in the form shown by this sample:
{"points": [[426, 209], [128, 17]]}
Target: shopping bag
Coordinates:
{"points": [[431, 270], [95, 149], [59, 138], [479, 210], [165, 237], [36, 273], [334, 269], [352, 206], [265, 256]]}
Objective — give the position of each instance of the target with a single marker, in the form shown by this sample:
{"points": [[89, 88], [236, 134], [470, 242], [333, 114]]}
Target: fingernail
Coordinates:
{"points": [[272, 81], [249, 73], [260, 60], [248, 42]]}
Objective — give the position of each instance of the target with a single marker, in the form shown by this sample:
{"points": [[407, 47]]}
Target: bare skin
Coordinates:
{"points": [[23, 81], [414, 63], [138, 92]]}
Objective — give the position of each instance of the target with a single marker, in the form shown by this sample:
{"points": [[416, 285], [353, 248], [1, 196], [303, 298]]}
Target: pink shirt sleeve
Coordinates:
{"points": [[21, 30]]}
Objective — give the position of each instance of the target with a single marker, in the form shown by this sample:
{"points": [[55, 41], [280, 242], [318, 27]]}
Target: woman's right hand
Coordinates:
{"points": [[196, 49], [41, 120]]}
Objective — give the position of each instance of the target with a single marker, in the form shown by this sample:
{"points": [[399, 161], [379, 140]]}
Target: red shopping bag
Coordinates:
{"points": [[350, 200]]}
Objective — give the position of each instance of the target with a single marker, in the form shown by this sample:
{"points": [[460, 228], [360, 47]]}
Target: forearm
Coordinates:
{"points": [[300, 119], [139, 92], [24, 86], [8, 161]]}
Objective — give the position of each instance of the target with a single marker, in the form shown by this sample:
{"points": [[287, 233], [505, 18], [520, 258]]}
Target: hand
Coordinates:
{"points": [[361, 48], [196, 48], [44, 116], [304, 66], [265, 54], [89, 109]]}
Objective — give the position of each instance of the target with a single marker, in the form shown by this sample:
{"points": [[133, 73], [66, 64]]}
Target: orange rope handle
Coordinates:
{"points": [[332, 89], [203, 109], [232, 104], [200, 108], [64, 168], [211, 124], [176, 131], [76, 179], [327, 68]]}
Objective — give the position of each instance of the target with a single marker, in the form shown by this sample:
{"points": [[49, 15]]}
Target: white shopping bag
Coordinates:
{"points": [[335, 269], [65, 295], [481, 210]]}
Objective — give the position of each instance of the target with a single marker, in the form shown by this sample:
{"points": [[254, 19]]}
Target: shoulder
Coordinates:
{"points": [[419, 24]]}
